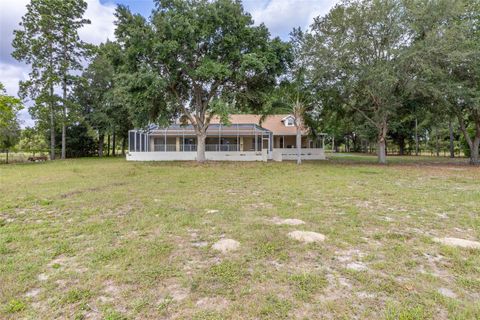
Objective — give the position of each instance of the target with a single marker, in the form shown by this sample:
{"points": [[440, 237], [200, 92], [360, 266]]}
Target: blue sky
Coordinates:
{"points": [[143, 7], [280, 16]]}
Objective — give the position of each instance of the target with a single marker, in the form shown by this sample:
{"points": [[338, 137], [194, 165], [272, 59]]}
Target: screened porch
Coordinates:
{"points": [[220, 138]]}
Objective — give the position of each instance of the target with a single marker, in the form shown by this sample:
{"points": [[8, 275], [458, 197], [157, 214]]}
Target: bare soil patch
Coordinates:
{"points": [[307, 236], [226, 245]]}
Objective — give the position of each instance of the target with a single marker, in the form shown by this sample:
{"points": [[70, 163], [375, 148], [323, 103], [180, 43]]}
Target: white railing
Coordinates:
{"points": [[193, 147], [164, 147], [221, 147], [188, 147]]}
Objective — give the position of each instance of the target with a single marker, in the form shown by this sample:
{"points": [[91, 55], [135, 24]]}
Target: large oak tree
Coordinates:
{"points": [[354, 51], [195, 59]]}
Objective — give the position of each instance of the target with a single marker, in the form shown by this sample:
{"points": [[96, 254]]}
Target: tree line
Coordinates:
{"points": [[383, 72]]}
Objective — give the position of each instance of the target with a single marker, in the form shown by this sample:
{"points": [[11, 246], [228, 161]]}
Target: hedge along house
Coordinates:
{"points": [[244, 139]]}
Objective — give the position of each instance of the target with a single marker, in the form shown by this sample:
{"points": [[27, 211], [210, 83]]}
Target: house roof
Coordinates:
{"points": [[273, 123], [246, 129]]}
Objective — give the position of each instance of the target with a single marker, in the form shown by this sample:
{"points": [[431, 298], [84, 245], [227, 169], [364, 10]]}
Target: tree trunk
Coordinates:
{"points": [[437, 142], [382, 147], [108, 145], [299, 145], [52, 125], [401, 146], [201, 137], [113, 143], [64, 133], [101, 138], [382, 155], [64, 118], [6, 157], [452, 147], [474, 151], [472, 144], [416, 137], [124, 145]]}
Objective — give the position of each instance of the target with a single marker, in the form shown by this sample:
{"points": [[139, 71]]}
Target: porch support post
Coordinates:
{"points": [[241, 143], [270, 142], [323, 142], [256, 139], [177, 144], [165, 140], [219, 137]]}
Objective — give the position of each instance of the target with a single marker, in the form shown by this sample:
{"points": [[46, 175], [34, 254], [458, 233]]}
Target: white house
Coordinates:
{"points": [[244, 139]]}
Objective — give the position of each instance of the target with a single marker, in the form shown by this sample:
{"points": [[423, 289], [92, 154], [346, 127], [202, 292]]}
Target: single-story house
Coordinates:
{"points": [[245, 138]]}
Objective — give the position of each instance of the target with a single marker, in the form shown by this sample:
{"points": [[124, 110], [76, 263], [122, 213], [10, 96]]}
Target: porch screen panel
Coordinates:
{"points": [[142, 142], [137, 140], [131, 141]]}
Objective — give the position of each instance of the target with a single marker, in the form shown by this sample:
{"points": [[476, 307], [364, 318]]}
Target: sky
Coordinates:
{"points": [[280, 16]]}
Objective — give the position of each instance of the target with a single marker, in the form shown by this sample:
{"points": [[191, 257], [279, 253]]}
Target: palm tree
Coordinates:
{"points": [[295, 94], [295, 99]]}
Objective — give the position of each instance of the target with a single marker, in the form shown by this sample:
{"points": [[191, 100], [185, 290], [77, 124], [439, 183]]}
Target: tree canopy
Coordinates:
{"points": [[47, 39], [390, 73], [197, 59]]}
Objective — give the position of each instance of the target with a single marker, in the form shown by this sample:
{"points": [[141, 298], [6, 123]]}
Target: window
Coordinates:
{"points": [[289, 122]]}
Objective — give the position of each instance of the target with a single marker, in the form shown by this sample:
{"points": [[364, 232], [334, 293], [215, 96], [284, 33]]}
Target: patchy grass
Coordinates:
{"points": [[108, 239]]}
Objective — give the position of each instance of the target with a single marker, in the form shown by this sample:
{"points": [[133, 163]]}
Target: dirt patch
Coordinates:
{"points": [[200, 244], [42, 277], [447, 293], [356, 266], [457, 242], [33, 293], [212, 303], [226, 245], [349, 255], [261, 205], [287, 222], [60, 261], [365, 295], [174, 292], [307, 236], [112, 289]]}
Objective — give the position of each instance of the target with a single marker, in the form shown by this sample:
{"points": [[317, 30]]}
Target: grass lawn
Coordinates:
{"points": [[108, 239]]}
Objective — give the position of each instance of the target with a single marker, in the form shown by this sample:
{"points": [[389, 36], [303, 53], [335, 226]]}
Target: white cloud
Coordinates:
{"points": [[11, 12], [11, 74], [102, 19], [281, 16]]}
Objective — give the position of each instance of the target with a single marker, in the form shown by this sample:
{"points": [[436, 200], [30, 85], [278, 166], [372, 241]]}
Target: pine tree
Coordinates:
{"points": [[48, 41]]}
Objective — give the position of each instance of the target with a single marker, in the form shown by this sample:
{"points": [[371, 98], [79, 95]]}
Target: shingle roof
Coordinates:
{"points": [[213, 129], [273, 122]]}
